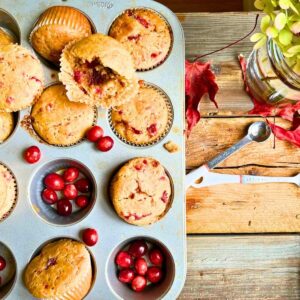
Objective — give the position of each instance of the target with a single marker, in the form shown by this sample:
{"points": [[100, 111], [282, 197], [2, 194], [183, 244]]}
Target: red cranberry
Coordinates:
{"points": [[154, 274], [70, 191], [64, 207], [82, 201], [105, 143], [90, 236], [139, 283], [54, 182], [2, 263], [32, 154], [94, 134], [71, 174], [124, 259], [140, 266], [126, 275], [49, 196], [138, 248], [83, 185], [156, 257]]}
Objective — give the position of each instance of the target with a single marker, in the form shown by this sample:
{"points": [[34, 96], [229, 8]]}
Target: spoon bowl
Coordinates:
{"points": [[259, 131]]}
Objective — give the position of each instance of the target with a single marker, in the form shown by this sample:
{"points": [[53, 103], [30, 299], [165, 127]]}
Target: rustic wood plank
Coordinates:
{"points": [[243, 267], [206, 32], [235, 208]]}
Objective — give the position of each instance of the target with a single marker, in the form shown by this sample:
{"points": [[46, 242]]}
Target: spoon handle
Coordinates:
{"points": [[218, 159]]}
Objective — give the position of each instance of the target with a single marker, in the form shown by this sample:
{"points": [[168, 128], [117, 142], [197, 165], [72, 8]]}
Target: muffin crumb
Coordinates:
{"points": [[171, 147]]}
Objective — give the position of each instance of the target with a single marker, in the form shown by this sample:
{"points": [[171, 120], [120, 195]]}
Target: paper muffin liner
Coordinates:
{"points": [[7, 214], [66, 16], [159, 138], [26, 123], [168, 26]]}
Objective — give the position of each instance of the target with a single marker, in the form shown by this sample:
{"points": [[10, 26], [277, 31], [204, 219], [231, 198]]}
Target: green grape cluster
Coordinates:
{"points": [[282, 24]]}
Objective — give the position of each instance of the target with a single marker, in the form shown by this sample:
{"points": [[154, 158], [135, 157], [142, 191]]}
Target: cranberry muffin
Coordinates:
{"points": [[143, 120], [8, 192], [21, 78], [141, 191], [62, 270], [6, 125], [5, 38], [145, 34], [57, 27], [59, 121], [98, 70]]}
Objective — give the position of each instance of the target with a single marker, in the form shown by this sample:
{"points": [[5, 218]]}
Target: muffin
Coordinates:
{"points": [[6, 125], [62, 271], [59, 121], [57, 27], [5, 38], [143, 120], [8, 192], [145, 34], [141, 191], [21, 78], [98, 70]]}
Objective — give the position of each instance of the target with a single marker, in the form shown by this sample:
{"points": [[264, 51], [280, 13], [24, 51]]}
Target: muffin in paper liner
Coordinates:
{"points": [[141, 191], [57, 27], [5, 38], [146, 34], [8, 192], [7, 125], [99, 71], [62, 271], [145, 120], [21, 78], [58, 121]]}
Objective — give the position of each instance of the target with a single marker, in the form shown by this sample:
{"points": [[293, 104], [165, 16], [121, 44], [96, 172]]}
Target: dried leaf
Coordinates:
{"points": [[199, 80]]}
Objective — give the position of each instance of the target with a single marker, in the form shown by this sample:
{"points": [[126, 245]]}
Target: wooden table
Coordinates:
{"points": [[242, 265]]}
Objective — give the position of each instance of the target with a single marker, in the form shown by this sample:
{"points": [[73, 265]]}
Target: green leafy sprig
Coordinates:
{"points": [[282, 24]]}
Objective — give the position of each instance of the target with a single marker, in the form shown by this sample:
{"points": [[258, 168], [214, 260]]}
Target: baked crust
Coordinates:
{"points": [[6, 125]]}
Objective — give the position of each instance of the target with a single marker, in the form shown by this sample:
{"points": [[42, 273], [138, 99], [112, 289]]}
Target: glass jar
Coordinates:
{"points": [[269, 76]]}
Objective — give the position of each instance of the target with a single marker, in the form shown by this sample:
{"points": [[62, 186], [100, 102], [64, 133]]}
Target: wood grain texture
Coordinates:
{"points": [[243, 267], [206, 32]]}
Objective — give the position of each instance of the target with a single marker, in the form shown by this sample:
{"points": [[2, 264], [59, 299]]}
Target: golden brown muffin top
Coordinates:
{"points": [[5, 38], [6, 125]]}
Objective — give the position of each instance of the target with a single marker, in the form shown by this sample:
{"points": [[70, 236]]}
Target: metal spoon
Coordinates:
{"points": [[257, 132]]}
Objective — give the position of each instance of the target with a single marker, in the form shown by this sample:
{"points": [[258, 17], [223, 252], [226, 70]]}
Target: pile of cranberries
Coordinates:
{"points": [[140, 266], [61, 189], [96, 135], [2, 266]]}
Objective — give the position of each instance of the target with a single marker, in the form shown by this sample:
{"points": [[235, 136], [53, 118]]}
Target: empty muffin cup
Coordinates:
{"points": [[9, 26], [151, 291], [49, 212], [8, 274]]}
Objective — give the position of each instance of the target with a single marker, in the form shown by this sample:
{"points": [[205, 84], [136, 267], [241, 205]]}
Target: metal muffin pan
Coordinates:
{"points": [[24, 231]]}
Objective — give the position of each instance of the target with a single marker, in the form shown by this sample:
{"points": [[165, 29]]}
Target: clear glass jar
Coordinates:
{"points": [[269, 76]]}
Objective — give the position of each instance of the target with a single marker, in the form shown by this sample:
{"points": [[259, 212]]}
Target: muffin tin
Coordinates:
{"points": [[29, 226]]}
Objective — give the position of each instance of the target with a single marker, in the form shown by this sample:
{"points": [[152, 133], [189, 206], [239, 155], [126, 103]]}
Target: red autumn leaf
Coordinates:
{"points": [[287, 111], [199, 80]]}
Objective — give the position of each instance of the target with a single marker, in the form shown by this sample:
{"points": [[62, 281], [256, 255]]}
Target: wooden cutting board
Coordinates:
{"points": [[235, 208]]}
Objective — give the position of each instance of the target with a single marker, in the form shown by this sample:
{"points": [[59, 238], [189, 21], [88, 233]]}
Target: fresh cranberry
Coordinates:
{"points": [[49, 196], [105, 143], [64, 207], [83, 185], [156, 257], [82, 201], [124, 259], [71, 174], [90, 236], [140, 266], [2, 263], [54, 182], [138, 248], [154, 274], [32, 154], [94, 134], [126, 275], [139, 283], [70, 191]]}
